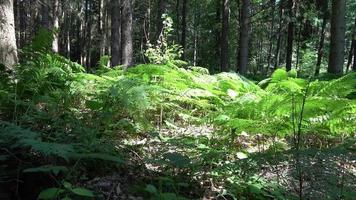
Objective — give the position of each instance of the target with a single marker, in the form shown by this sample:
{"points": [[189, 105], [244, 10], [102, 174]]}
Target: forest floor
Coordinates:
{"points": [[324, 173]]}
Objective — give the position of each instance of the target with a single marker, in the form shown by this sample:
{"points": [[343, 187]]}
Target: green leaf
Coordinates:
{"points": [[241, 155], [50, 193], [46, 168], [83, 192], [94, 105], [151, 189], [177, 159]]}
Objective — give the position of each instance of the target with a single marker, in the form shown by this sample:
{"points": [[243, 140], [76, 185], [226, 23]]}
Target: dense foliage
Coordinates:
{"points": [[68, 126]]}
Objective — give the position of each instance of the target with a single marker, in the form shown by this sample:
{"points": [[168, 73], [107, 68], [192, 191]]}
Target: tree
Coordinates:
{"points": [[279, 35], [126, 33], [352, 52], [184, 27], [244, 36], [290, 37], [337, 42], [115, 33], [224, 36], [322, 36], [8, 48], [55, 22], [162, 4]]}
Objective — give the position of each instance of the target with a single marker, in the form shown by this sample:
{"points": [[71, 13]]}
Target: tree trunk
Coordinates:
{"points": [[225, 36], [184, 28], [115, 33], [322, 38], [126, 28], [352, 50], [8, 48], [161, 10], [269, 56], [279, 35], [55, 22], [244, 36], [289, 50], [338, 24]]}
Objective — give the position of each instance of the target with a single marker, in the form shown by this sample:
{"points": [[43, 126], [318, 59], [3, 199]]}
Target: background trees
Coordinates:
{"points": [[266, 34]]}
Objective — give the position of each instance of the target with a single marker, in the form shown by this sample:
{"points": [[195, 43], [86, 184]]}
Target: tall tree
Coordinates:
{"points": [[126, 33], [279, 35], [8, 48], [269, 56], [55, 24], [115, 32], [184, 27], [325, 15], [290, 37], [162, 4], [225, 36], [244, 36], [337, 42], [352, 52]]}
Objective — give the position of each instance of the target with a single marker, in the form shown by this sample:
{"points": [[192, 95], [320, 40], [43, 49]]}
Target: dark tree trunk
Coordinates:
{"points": [[184, 27], [126, 33], [115, 33], [289, 50], [322, 38], [224, 36], [279, 35], [338, 27], [269, 56], [161, 10], [352, 51], [244, 36], [178, 20], [8, 48]]}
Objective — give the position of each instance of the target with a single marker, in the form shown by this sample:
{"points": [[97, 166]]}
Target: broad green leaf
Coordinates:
{"points": [[50, 193], [83, 192]]}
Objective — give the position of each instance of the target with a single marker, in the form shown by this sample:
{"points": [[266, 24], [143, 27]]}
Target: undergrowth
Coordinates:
{"points": [[59, 121]]}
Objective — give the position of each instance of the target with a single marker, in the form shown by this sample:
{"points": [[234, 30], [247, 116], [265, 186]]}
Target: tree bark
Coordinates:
{"points": [[225, 36], [126, 28], [184, 28], [322, 38], [352, 52], [338, 27], [271, 37], [162, 4], [8, 48], [115, 33], [279, 35], [290, 37], [55, 22], [244, 37]]}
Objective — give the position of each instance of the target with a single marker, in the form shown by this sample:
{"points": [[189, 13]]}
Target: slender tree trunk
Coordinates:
{"points": [[184, 28], [352, 50], [225, 36], [178, 20], [55, 20], [338, 27], [115, 33], [289, 50], [160, 11], [269, 57], [126, 28], [8, 48], [244, 36], [279, 35], [322, 38]]}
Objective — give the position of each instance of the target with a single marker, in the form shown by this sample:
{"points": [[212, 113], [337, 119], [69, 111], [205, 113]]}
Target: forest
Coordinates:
{"points": [[177, 99]]}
